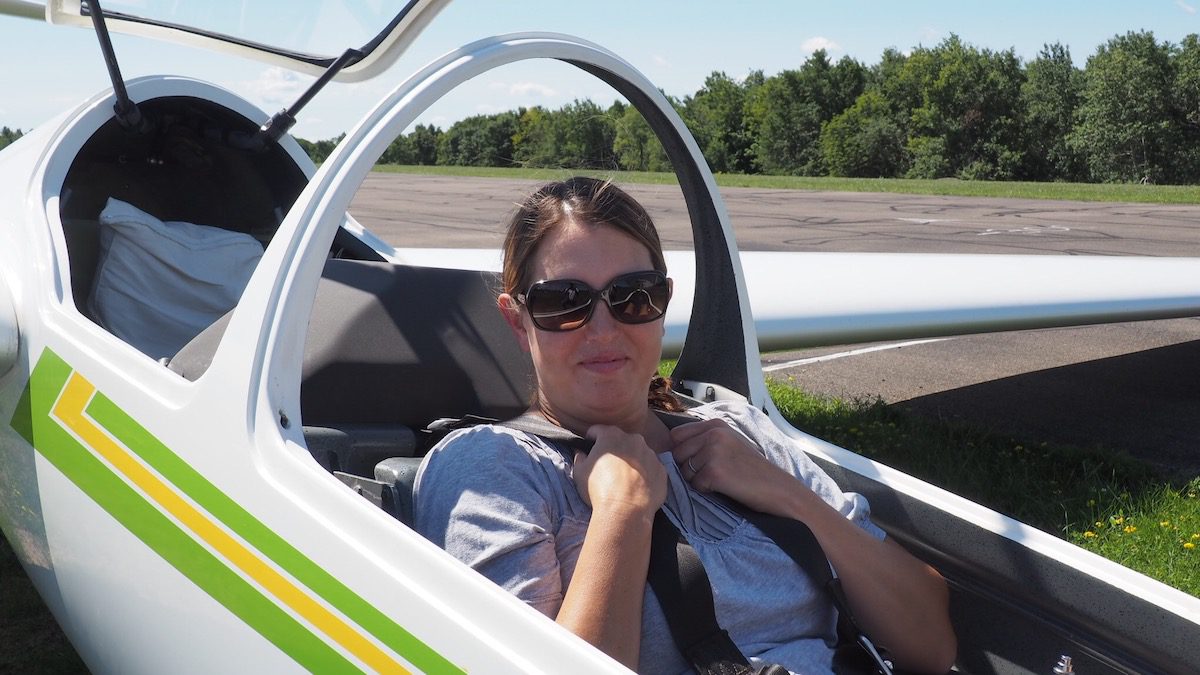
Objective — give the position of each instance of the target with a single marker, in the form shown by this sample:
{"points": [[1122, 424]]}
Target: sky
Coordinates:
{"points": [[46, 69]]}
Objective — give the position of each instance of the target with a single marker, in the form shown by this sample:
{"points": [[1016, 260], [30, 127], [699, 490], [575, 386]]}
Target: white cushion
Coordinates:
{"points": [[158, 284]]}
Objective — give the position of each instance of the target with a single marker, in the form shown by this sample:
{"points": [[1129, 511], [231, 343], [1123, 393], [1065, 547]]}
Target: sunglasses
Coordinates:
{"points": [[566, 304]]}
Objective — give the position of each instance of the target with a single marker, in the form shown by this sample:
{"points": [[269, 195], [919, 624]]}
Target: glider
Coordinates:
{"points": [[212, 381]]}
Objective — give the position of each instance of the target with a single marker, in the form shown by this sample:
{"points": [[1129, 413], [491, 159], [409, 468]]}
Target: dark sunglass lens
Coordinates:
{"points": [[559, 305], [639, 298]]}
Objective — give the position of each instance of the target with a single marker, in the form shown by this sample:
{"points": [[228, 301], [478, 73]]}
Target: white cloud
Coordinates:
{"points": [[531, 89], [1185, 7], [661, 61], [812, 44], [527, 89], [275, 87], [931, 34]]}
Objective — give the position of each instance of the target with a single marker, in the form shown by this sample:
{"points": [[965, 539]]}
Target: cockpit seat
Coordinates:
{"points": [[399, 474], [389, 349]]}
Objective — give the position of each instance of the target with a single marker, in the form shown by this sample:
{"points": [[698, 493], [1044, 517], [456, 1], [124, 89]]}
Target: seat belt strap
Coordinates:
{"points": [[685, 595]]}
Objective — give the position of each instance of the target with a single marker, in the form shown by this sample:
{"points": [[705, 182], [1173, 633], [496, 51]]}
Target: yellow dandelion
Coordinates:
{"points": [[1196, 536], [1164, 523], [1117, 520], [1089, 535], [1099, 524], [1130, 529], [1189, 545]]}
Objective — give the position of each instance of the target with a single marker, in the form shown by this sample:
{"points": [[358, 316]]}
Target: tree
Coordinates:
{"points": [[319, 151], [423, 141], [585, 136], [716, 116], [794, 106], [399, 151], [866, 140], [1126, 128], [579, 135], [968, 122], [481, 140], [1051, 96], [8, 136], [418, 147], [753, 112], [1186, 64], [534, 143], [888, 77], [635, 145]]}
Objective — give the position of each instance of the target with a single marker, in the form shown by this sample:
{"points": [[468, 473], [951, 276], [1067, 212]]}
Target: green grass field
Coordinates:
{"points": [[1091, 192]]}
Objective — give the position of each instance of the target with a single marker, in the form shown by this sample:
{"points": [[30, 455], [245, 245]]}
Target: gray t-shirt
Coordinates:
{"points": [[504, 503]]}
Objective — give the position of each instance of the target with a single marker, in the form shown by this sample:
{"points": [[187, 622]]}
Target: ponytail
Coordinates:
{"points": [[660, 396]]}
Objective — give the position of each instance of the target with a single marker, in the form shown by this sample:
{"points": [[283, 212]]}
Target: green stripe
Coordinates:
{"points": [[199, 489], [165, 538], [22, 418]]}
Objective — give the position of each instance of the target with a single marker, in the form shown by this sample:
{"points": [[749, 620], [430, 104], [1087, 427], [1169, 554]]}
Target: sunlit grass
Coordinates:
{"points": [[1156, 532], [1090, 192]]}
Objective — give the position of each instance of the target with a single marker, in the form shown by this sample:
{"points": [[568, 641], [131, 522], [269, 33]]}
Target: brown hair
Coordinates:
{"points": [[581, 200]]}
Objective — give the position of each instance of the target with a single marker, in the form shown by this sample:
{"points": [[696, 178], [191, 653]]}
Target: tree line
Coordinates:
{"points": [[7, 136], [1132, 114]]}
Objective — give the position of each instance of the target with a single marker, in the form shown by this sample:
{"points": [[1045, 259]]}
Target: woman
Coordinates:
{"points": [[572, 539]]}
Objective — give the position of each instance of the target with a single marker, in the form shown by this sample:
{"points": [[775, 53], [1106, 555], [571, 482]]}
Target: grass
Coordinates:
{"points": [[1089, 192], [1103, 501]]}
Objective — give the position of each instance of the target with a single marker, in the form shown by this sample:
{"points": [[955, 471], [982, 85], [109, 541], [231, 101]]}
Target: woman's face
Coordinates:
{"points": [[598, 373]]}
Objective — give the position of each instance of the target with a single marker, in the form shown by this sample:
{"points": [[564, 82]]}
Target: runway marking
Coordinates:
{"points": [[1032, 229], [926, 221], [852, 352]]}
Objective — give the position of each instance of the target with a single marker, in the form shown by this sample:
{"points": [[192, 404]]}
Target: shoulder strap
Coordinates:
{"points": [[685, 595], [540, 426]]}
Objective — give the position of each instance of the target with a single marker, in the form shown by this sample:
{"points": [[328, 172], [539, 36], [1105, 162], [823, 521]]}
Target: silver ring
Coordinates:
{"points": [[692, 467]]}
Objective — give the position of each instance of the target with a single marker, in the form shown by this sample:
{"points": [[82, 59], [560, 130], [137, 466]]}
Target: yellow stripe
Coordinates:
{"points": [[70, 410]]}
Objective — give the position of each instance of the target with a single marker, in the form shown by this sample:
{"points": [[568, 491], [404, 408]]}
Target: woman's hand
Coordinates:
{"points": [[621, 472], [625, 484], [715, 458], [900, 601]]}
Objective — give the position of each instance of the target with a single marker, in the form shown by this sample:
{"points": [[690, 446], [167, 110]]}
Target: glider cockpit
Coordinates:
{"points": [[190, 159]]}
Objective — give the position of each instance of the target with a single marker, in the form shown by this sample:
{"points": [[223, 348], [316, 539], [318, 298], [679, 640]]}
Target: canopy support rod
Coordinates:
{"points": [[126, 110]]}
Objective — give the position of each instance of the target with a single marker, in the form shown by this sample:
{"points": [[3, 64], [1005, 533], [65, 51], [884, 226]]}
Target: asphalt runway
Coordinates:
{"points": [[1127, 386]]}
